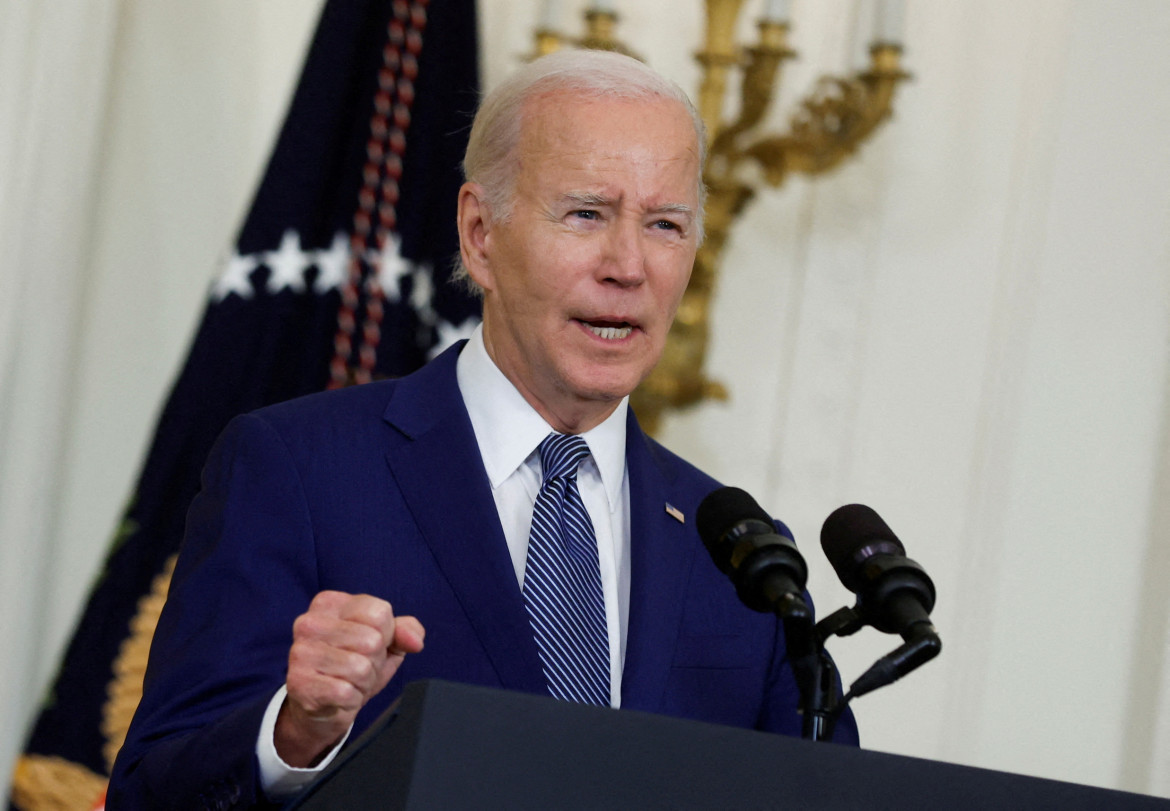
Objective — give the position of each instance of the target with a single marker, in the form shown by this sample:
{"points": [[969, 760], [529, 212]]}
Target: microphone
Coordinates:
{"points": [[766, 567], [894, 593]]}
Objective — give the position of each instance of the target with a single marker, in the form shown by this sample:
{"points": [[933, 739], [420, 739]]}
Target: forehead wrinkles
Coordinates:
{"points": [[599, 146]]}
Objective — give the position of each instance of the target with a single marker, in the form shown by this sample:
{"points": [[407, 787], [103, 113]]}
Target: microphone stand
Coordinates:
{"points": [[820, 706], [806, 656]]}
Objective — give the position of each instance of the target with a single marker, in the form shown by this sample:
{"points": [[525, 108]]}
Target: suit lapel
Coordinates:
{"points": [[661, 555], [436, 463]]}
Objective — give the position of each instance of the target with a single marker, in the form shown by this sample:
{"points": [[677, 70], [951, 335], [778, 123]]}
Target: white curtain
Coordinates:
{"points": [[132, 133], [54, 90], [967, 328]]}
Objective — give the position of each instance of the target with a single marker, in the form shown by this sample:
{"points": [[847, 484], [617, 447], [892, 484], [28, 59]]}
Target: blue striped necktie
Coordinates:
{"points": [[562, 580]]}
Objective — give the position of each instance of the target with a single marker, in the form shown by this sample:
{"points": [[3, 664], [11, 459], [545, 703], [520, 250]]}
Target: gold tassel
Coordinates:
{"points": [[125, 691], [42, 783]]}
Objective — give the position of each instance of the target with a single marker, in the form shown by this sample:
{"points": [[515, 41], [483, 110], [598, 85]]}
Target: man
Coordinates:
{"points": [[347, 543]]}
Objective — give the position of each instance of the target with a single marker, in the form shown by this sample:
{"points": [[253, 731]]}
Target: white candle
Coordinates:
{"points": [[549, 16], [776, 11], [888, 19]]}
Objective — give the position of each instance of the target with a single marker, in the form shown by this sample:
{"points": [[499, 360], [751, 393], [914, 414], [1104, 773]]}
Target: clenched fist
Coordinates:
{"points": [[345, 649]]}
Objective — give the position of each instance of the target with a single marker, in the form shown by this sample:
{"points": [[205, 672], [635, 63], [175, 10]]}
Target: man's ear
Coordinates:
{"points": [[474, 224]]}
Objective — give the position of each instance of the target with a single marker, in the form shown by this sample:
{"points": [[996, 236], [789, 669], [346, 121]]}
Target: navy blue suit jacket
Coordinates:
{"points": [[380, 489]]}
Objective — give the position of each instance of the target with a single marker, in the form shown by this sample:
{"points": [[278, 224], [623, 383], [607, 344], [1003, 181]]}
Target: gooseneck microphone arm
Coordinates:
{"points": [[921, 646]]}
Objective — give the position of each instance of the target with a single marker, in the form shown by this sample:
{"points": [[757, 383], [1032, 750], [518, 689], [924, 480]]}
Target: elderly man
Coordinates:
{"points": [[503, 497]]}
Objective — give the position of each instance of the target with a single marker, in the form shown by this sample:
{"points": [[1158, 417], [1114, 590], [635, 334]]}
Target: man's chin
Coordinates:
{"points": [[608, 382]]}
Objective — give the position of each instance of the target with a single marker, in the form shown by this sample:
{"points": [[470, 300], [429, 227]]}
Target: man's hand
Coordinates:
{"points": [[345, 649]]}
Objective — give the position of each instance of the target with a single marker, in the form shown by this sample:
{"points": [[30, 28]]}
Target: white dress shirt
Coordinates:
{"points": [[508, 431]]}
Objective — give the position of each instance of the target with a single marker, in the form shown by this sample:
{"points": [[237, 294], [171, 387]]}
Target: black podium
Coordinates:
{"points": [[451, 746]]}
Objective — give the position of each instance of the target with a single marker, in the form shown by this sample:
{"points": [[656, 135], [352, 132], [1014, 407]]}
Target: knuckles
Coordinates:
{"points": [[371, 611], [382, 616], [360, 671], [367, 641], [339, 633], [328, 601], [306, 626]]}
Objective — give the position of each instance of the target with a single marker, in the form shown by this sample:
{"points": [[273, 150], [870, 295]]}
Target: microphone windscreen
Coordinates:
{"points": [[851, 535], [724, 508]]}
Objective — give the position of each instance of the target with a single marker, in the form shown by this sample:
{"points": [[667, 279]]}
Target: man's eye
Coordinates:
{"points": [[585, 214], [667, 225]]}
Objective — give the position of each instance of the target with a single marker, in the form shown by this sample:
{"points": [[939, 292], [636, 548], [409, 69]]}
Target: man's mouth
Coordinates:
{"points": [[609, 330]]}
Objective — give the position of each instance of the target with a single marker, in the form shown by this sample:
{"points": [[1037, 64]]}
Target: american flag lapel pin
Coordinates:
{"points": [[675, 513]]}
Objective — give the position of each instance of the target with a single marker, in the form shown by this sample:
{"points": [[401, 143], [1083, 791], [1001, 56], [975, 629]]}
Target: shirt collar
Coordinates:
{"points": [[508, 429]]}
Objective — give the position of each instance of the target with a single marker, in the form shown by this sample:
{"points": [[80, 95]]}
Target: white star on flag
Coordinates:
{"points": [[287, 265], [421, 293], [392, 268], [332, 264], [235, 277]]}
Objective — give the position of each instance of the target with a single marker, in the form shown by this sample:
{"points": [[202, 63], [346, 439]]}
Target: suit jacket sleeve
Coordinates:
{"points": [[220, 652]]}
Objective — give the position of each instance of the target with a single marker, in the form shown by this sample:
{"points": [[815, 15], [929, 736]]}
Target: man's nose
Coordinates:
{"points": [[625, 260]]}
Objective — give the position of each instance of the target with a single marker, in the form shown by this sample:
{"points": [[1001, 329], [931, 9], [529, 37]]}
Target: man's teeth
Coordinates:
{"points": [[610, 333]]}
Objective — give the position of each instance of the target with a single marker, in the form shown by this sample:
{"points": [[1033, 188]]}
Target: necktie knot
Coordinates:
{"points": [[561, 454]]}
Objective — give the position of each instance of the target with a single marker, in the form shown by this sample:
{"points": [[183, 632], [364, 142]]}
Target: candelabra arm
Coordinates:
{"points": [[833, 122], [761, 71], [718, 56]]}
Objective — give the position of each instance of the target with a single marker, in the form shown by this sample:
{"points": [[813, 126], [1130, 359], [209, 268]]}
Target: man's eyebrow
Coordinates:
{"points": [[585, 199], [675, 208], [594, 199]]}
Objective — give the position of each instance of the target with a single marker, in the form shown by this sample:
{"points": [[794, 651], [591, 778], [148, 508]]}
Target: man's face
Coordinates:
{"points": [[583, 279]]}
